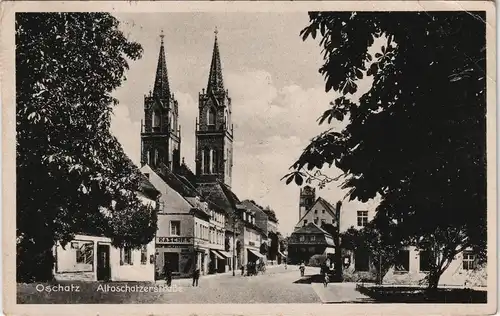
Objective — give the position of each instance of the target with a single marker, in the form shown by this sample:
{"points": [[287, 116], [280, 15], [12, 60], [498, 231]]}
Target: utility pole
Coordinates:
{"points": [[234, 244]]}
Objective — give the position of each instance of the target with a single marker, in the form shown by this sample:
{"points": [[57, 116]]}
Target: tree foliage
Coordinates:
{"points": [[381, 247], [417, 137], [72, 174]]}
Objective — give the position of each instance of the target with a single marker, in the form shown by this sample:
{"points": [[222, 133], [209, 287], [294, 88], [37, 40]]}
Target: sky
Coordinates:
{"points": [[273, 80]]}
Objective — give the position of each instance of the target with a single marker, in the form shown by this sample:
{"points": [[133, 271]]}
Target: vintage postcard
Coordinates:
{"points": [[253, 158]]}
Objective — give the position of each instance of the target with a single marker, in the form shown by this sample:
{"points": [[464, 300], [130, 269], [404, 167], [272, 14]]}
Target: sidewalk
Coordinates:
{"points": [[340, 293]]}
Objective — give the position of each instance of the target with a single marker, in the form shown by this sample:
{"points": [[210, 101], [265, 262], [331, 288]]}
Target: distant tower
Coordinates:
{"points": [[214, 131], [307, 199], [161, 133]]}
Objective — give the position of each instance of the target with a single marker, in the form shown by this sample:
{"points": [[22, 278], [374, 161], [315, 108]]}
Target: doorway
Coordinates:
{"points": [[172, 260], [103, 267]]}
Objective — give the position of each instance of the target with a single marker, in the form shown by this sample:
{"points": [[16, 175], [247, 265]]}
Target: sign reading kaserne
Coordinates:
{"points": [[174, 240]]}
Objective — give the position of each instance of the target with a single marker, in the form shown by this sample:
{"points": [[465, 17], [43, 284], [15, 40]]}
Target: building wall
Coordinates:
{"points": [[319, 213], [455, 275], [66, 267]]}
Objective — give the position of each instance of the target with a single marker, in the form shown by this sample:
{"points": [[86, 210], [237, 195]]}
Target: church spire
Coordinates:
{"points": [[161, 88], [215, 82]]}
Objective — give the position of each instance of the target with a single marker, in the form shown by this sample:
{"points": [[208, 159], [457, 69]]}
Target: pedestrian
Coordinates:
{"points": [[168, 273], [242, 269], [196, 275], [302, 268], [325, 269], [285, 263]]}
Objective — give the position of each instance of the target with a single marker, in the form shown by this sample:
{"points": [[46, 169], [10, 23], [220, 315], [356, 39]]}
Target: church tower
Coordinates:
{"points": [[307, 199], [160, 131], [214, 131]]}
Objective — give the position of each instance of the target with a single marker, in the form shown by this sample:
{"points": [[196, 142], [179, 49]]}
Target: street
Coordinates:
{"points": [[277, 285]]}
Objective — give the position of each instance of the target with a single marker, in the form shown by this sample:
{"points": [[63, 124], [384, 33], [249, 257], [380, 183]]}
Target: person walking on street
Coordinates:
{"points": [[325, 270], [302, 268], [196, 275]]}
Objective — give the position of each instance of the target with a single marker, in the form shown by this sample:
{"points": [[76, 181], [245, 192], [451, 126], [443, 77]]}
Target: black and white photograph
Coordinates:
{"points": [[292, 156]]}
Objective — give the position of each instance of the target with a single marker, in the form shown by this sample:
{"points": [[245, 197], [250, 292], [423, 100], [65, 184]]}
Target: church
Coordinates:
{"points": [[198, 210]]}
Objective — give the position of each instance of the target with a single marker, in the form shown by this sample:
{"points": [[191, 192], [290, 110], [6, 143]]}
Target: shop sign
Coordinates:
{"points": [[174, 240]]}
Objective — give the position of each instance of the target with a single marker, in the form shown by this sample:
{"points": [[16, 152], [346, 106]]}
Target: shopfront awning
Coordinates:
{"points": [[218, 255], [329, 250], [226, 254], [255, 252]]}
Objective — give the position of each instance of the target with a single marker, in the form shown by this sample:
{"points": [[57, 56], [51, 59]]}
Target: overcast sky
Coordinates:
{"points": [[273, 80]]}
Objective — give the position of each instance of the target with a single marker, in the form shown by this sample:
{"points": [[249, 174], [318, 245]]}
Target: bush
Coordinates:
{"points": [[317, 260]]}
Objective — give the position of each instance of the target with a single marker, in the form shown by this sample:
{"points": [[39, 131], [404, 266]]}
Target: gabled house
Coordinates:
{"points": [[307, 241]]}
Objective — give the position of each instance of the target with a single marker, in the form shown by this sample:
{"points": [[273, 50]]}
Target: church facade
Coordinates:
{"points": [[199, 222]]}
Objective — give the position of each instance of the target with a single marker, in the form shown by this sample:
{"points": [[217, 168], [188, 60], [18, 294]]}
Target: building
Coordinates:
{"points": [[411, 264], [93, 258], [250, 240], [307, 241]]}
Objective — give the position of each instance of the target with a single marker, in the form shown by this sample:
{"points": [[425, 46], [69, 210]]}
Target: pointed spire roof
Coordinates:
{"points": [[162, 87], [215, 81]]}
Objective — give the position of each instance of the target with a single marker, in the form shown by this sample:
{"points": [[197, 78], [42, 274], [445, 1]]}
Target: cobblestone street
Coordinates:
{"points": [[277, 285]]}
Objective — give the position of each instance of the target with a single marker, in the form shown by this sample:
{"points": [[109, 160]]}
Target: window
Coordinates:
{"points": [[424, 260], [333, 221], [206, 161], [312, 238], [362, 218], [322, 221], [126, 256], [301, 238], [305, 222], [315, 211], [85, 253], [469, 261], [156, 157], [402, 261], [144, 254], [323, 211], [175, 228], [156, 119], [211, 116], [316, 221], [361, 260], [214, 161]]}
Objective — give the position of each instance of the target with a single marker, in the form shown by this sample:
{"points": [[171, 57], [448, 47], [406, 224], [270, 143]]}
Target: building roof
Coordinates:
{"points": [[310, 228], [161, 88], [220, 194], [328, 207], [215, 80]]}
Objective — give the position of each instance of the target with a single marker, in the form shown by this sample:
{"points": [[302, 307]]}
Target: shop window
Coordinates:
{"points": [[305, 222], [85, 253]]}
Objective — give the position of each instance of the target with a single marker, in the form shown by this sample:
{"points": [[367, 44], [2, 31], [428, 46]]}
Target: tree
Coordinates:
{"points": [[381, 248], [72, 174], [417, 137]]}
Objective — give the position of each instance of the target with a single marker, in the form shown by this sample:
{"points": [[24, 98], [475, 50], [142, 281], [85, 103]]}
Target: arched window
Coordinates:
{"points": [[148, 157], [226, 119], [214, 161], [156, 119], [211, 116], [156, 157], [206, 161]]}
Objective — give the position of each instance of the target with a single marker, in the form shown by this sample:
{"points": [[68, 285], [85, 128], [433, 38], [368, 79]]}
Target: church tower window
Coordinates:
{"points": [[214, 161], [211, 116], [206, 161]]}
